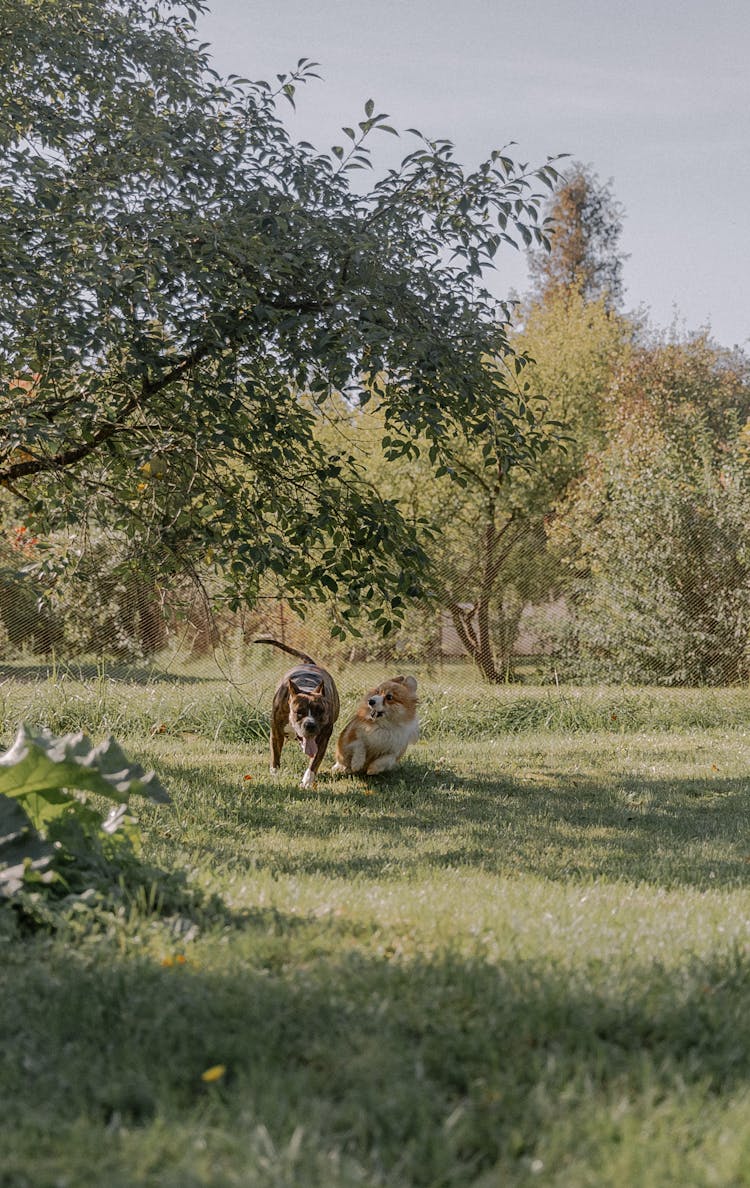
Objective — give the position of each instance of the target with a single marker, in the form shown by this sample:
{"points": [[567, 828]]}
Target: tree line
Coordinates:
{"points": [[230, 375], [633, 519]]}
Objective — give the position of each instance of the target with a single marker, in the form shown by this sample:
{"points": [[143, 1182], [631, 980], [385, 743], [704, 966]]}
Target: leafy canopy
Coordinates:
{"points": [[182, 287]]}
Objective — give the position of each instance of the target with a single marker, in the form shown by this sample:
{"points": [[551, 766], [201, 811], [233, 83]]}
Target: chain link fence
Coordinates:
{"points": [[676, 614]]}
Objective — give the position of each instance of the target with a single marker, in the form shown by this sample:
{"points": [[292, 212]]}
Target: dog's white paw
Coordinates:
{"points": [[274, 770], [308, 779], [338, 767]]}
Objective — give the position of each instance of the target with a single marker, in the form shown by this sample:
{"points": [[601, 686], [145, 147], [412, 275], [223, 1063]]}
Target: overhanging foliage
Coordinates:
{"points": [[182, 287]]}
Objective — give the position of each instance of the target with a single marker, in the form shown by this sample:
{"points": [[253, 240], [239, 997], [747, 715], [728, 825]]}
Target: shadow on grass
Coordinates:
{"points": [[89, 671], [421, 1072], [688, 831]]}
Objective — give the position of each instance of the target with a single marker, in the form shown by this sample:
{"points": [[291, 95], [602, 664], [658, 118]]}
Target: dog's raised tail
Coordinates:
{"points": [[266, 639]]}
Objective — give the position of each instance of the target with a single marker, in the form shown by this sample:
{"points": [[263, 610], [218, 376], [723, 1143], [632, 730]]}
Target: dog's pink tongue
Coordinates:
{"points": [[310, 747]]}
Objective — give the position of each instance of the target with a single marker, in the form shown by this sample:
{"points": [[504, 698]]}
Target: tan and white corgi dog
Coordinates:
{"points": [[384, 725]]}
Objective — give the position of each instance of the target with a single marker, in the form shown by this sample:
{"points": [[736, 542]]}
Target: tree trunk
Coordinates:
{"points": [[474, 639], [474, 624], [153, 626]]}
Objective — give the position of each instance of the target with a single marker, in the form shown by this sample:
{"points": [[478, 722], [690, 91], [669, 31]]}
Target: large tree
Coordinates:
{"points": [[481, 533], [485, 528], [182, 287]]}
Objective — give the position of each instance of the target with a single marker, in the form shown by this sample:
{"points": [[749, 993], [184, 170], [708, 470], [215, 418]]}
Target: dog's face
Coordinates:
{"points": [[308, 711], [393, 701]]}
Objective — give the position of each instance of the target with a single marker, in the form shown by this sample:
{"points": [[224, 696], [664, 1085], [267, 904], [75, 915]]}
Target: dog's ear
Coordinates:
{"points": [[409, 681], [293, 689], [319, 689]]}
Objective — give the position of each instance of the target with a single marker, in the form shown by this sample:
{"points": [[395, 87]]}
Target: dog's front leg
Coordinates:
{"points": [[356, 757], [277, 742], [308, 779]]}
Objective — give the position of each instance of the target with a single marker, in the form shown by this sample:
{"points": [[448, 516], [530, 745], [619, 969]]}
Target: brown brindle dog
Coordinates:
{"points": [[305, 707]]}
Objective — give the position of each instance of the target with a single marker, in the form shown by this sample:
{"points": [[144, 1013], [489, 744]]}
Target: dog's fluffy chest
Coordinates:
{"points": [[384, 737]]}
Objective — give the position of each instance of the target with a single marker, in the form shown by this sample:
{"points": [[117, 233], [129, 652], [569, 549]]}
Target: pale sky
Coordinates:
{"points": [[654, 95]]}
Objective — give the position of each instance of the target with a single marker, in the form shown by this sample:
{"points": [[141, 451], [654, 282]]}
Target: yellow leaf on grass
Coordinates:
{"points": [[215, 1073]]}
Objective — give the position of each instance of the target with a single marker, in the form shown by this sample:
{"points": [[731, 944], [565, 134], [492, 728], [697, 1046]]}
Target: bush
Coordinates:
{"points": [[656, 534]]}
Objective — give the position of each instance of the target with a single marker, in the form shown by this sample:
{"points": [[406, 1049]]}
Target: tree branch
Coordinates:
{"points": [[464, 629], [77, 453]]}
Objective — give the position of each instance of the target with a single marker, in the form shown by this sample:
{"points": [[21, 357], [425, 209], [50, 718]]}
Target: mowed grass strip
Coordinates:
{"points": [[523, 958]]}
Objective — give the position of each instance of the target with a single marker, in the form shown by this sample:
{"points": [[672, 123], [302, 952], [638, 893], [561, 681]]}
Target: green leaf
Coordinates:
{"points": [[39, 763], [21, 849]]}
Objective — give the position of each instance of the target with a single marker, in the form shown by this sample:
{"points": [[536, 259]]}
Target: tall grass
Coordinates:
{"points": [[455, 703], [108, 706]]}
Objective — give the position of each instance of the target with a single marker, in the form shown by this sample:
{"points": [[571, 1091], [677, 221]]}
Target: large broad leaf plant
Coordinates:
{"points": [[51, 834]]}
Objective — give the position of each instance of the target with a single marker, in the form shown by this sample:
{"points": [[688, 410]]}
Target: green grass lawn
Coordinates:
{"points": [[521, 959]]}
